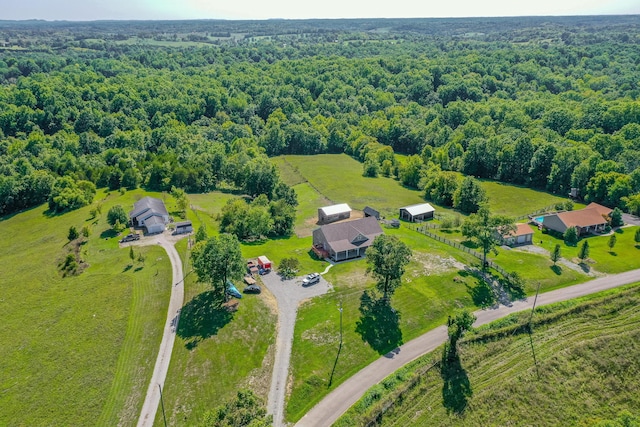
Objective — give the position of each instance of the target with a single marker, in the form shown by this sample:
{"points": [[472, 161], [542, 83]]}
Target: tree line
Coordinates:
{"points": [[560, 111]]}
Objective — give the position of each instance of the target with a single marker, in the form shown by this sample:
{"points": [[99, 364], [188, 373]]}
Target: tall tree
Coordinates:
{"points": [[217, 260], [555, 255], [387, 258], [117, 214], [612, 241], [487, 230], [469, 196], [583, 253]]}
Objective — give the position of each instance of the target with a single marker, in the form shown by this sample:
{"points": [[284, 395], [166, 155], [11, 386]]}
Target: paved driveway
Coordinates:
{"points": [[289, 294], [630, 219]]}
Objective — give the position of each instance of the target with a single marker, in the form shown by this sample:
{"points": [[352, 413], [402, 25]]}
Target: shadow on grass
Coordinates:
{"points": [[556, 269], [585, 267], [613, 253], [127, 268], [109, 233], [482, 294], [203, 317], [379, 324], [456, 387]]}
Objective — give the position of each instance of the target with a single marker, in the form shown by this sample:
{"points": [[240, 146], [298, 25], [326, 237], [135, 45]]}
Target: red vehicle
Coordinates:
{"points": [[264, 265]]}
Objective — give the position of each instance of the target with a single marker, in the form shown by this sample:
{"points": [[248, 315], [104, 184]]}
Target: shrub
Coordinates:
{"points": [[117, 214]]}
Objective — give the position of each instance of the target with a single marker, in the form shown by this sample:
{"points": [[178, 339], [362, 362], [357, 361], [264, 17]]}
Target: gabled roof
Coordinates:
{"points": [[419, 209], [370, 211], [154, 219], [336, 209], [602, 210], [148, 203], [521, 230], [351, 234]]}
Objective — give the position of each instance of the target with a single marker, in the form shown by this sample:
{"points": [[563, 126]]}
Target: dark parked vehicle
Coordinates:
{"points": [[252, 289], [130, 238]]}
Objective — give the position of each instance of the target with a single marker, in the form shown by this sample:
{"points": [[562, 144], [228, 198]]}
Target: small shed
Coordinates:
{"points": [[184, 227], [523, 235], [415, 213], [369, 211], [264, 263], [329, 214]]}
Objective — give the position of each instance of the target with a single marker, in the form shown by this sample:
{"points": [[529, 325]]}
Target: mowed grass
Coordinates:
{"points": [[514, 200], [585, 371], [78, 349], [624, 256], [217, 352], [428, 294]]}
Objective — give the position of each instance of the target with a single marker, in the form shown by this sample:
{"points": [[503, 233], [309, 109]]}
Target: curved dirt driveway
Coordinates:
{"points": [[329, 409], [152, 399]]}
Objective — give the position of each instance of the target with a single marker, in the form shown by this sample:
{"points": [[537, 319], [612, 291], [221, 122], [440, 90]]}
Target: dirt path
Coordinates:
{"points": [[328, 410], [289, 294], [152, 399]]}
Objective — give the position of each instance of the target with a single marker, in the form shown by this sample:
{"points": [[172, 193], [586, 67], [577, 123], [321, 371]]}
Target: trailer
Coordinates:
{"points": [[264, 265]]}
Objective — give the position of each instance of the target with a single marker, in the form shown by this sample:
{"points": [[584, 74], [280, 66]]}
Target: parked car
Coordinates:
{"points": [[130, 238], [311, 279], [252, 289]]}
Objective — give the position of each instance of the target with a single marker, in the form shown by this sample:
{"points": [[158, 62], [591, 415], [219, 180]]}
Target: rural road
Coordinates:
{"points": [[152, 400], [289, 294], [329, 409]]}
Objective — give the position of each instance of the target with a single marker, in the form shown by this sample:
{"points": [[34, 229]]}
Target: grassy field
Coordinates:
{"points": [[624, 256], [584, 371], [217, 352], [80, 348], [338, 177]]}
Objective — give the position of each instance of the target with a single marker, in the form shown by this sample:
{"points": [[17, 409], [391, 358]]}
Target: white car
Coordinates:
{"points": [[311, 279]]}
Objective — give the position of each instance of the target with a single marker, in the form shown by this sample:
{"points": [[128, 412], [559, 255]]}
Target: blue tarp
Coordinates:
{"points": [[232, 290]]}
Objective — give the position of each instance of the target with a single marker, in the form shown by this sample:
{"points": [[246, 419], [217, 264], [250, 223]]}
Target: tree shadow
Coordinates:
{"points": [[613, 253], [456, 387], [556, 269], [109, 233], [482, 294], [203, 317], [379, 323]]}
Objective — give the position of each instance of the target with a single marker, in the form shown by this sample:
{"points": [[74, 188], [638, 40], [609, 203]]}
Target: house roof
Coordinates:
{"points": [[420, 209], [153, 220], [148, 203], [602, 210], [336, 209], [183, 224], [521, 230], [351, 234], [582, 218]]}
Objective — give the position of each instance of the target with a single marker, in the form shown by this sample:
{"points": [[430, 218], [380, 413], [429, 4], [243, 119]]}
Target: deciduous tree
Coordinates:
{"points": [[487, 230], [387, 258], [217, 260]]}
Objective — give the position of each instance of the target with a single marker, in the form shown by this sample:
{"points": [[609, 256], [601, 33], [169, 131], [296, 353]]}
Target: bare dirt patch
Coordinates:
{"points": [[434, 264]]}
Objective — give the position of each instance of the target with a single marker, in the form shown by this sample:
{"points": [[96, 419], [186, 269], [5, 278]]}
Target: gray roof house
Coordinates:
{"points": [[149, 213], [346, 240]]}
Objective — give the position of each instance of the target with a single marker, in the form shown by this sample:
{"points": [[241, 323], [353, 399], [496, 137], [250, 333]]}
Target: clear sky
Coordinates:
{"points": [[80, 10]]}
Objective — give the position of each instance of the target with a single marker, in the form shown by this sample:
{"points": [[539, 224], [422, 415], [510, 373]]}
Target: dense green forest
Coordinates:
{"points": [[551, 103]]}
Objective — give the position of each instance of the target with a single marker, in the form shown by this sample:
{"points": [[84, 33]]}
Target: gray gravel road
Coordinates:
{"points": [[288, 295], [328, 410]]}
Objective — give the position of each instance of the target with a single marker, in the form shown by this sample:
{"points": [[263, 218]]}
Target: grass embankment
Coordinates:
{"points": [[77, 349], [578, 367], [216, 351]]}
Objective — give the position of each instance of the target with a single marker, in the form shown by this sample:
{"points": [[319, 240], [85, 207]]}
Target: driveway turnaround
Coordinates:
{"points": [[329, 409], [288, 294], [152, 400]]}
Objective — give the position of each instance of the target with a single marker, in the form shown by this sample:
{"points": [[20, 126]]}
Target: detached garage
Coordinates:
{"points": [[333, 213], [413, 213], [154, 224]]}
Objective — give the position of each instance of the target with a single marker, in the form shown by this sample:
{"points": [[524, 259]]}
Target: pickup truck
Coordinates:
{"points": [[130, 238]]}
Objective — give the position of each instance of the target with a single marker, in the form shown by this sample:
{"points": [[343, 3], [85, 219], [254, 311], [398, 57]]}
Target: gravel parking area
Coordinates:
{"points": [[289, 294]]}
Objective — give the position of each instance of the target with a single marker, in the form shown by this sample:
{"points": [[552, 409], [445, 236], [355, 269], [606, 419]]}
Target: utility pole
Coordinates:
{"points": [[340, 323], [534, 305], [162, 404]]}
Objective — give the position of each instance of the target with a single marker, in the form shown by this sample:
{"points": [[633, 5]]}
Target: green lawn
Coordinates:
{"points": [[583, 372], [428, 294], [514, 200], [217, 352], [78, 349], [625, 255]]}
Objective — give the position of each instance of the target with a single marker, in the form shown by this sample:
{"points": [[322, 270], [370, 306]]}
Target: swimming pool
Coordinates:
{"points": [[539, 219]]}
